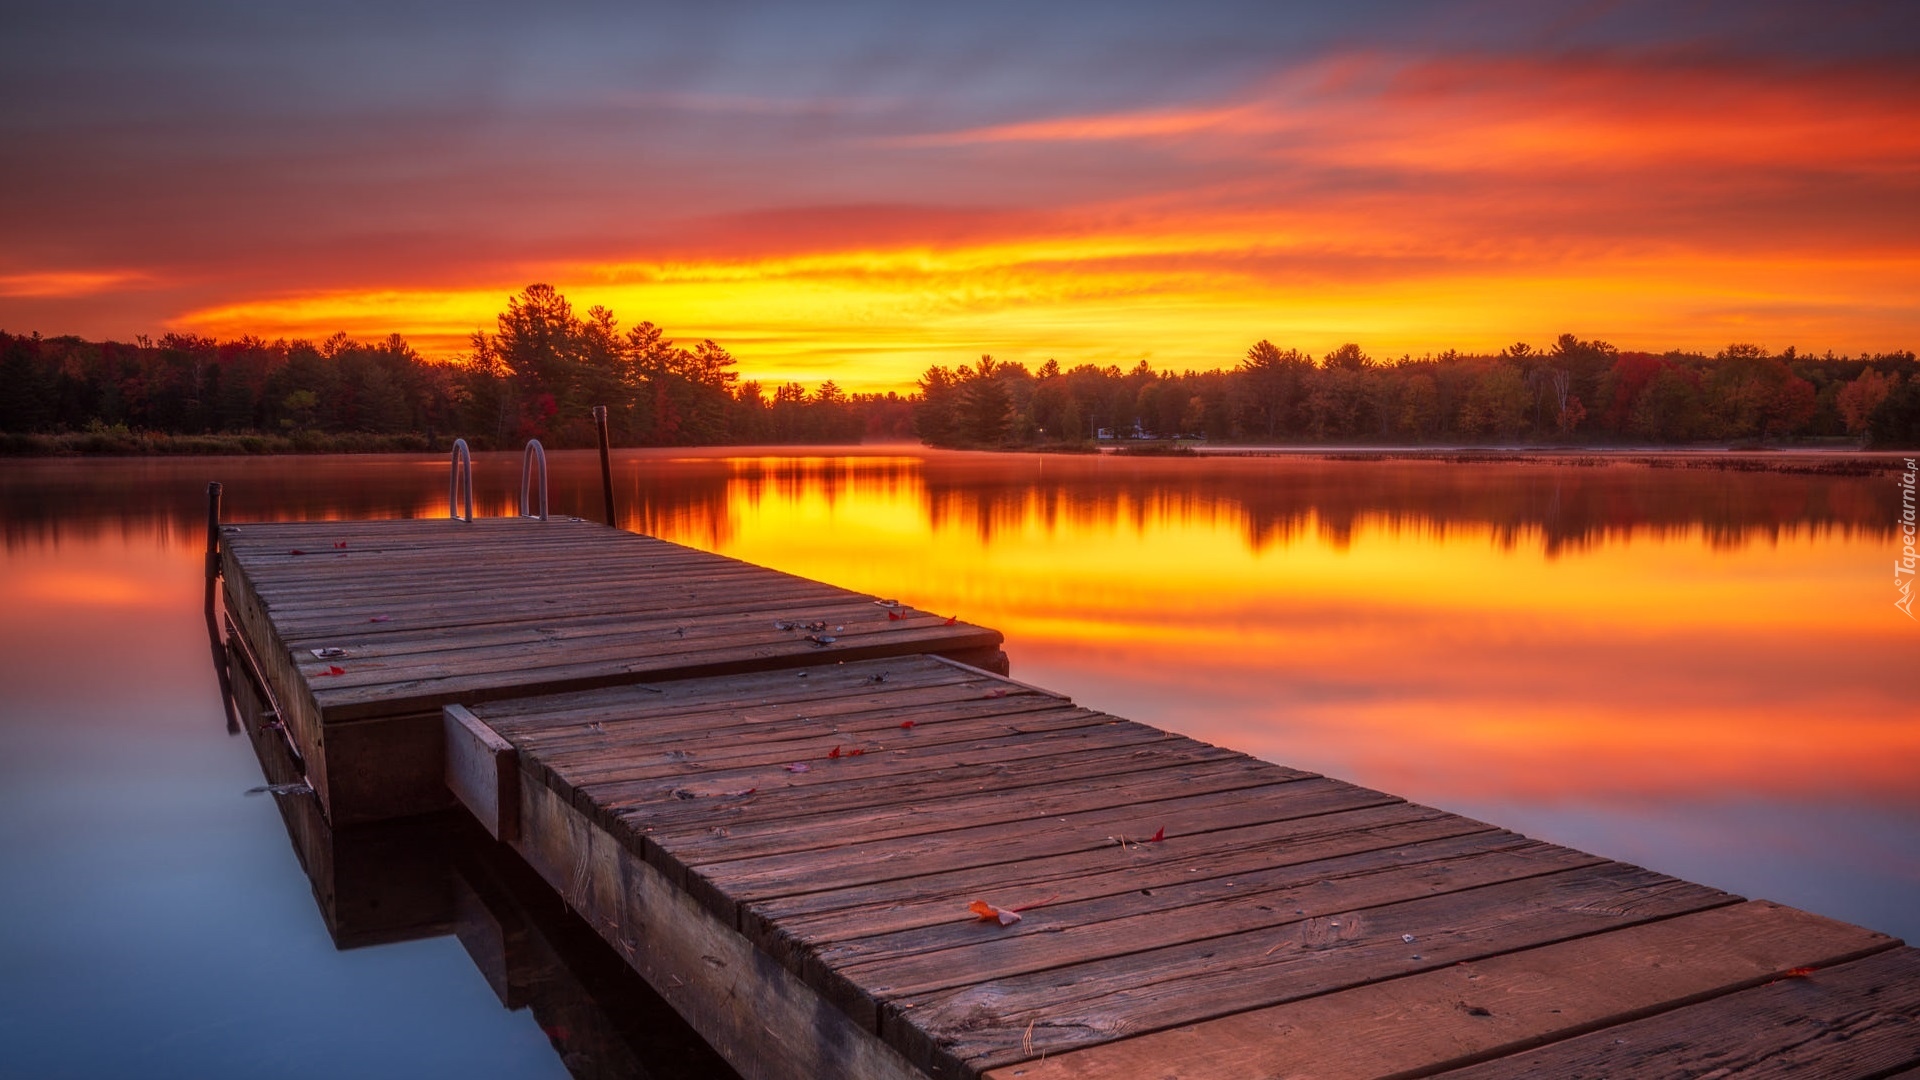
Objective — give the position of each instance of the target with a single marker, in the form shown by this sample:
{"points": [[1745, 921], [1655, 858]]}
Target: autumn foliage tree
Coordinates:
{"points": [[544, 365]]}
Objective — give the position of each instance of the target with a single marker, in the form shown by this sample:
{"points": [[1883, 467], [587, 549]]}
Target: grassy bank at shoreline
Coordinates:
{"points": [[120, 442]]}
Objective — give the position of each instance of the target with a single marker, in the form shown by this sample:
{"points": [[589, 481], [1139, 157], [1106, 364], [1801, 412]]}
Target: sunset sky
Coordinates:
{"points": [[856, 191]]}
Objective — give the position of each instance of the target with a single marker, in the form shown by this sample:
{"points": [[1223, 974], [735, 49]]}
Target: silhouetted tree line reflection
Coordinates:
{"points": [[1562, 505], [1274, 500], [1574, 390]]}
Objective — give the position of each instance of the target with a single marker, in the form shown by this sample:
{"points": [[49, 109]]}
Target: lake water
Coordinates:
{"points": [[1700, 671]]}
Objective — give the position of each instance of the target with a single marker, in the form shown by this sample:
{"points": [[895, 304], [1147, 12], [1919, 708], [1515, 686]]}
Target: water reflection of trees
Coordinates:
{"points": [[1277, 501], [696, 499]]}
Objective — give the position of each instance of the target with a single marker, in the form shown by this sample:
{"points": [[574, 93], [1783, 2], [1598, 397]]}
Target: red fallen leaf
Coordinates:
{"points": [[1006, 916], [988, 913], [296, 551], [906, 723], [334, 669], [894, 616], [833, 753], [1798, 973], [341, 545], [1158, 836], [951, 619], [856, 753]]}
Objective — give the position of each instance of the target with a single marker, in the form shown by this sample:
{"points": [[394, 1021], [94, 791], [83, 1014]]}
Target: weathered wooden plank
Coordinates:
{"points": [[484, 604], [948, 730], [558, 605], [779, 795], [524, 567], [313, 585], [863, 974], [966, 726], [695, 842], [527, 717], [387, 767], [1060, 934], [629, 654], [612, 667], [1852, 1022], [879, 708], [260, 644], [759, 1016], [1482, 1009], [483, 772], [728, 882], [1002, 1021], [810, 920]]}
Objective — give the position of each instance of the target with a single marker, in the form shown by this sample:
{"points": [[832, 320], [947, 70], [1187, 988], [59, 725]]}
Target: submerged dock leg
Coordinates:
{"points": [[213, 542]]}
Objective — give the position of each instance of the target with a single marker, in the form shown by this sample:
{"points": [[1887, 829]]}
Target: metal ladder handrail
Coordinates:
{"points": [[534, 452], [462, 467]]}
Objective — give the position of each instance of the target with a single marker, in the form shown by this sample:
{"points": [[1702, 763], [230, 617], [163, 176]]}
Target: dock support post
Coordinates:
{"points": [[606, 464], [220, 669], [213, 541]]}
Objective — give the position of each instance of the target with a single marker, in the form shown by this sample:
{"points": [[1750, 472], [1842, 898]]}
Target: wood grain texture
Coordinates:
{"points": [[383, 623], [757, 1015], [1000, 1021], [1851, 1022], [483, 772], [1484, 1008], [1271, 898]]}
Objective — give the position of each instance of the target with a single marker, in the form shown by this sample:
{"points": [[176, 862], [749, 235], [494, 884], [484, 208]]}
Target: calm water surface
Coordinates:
{"points": [[1695, 670]]}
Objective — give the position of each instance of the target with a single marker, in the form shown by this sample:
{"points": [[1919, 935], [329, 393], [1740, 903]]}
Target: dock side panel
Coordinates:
{"points": [[759, 1016]]}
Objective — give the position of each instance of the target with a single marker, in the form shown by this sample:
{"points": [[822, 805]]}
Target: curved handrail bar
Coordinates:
{"points": [[462, 468], [534, 452]]}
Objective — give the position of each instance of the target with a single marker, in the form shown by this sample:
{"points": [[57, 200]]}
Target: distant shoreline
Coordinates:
{"points": [[1831, 460]]}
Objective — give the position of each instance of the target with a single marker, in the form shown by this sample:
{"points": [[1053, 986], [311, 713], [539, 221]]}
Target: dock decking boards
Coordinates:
{"points": [[367, 628], [828, 827]]}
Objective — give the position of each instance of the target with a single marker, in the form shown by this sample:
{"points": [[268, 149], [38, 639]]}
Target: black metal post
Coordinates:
{"points": [[606, 463]]}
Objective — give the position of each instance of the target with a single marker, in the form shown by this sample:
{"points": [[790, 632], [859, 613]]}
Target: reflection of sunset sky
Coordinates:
{"points": [[851, 193], [1457, 665], [1696, 670]]}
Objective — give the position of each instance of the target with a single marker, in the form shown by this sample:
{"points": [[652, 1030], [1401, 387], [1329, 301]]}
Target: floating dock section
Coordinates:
{"points": [[836, 837], [366, 629]]}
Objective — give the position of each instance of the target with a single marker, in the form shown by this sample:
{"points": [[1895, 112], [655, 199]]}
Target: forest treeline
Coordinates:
{"points": [[543, 367], [1573, 391], [538, 375]]}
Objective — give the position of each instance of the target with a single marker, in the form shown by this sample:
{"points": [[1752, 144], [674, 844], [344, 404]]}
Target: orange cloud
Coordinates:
{"points": [[1409, 203], [70, 283]]}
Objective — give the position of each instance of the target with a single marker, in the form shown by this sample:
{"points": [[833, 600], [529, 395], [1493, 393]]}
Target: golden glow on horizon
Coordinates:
{"points": [[1648, 663], [870, 323]]}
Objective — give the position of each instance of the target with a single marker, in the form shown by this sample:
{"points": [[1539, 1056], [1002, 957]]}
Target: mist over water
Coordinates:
{"points": [[1697, 670]]}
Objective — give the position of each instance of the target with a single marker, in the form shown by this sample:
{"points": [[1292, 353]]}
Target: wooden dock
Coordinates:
{"points": [[367, 628], [793, 842]]}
